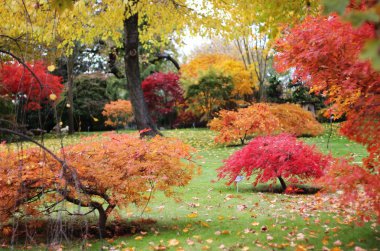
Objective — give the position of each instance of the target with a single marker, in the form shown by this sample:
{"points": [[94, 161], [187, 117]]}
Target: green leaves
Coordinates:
{"points": [[371, 52], [338, 6]]}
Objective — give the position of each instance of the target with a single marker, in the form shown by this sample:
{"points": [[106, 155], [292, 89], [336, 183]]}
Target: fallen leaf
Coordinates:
{"points": [[173, 242]]}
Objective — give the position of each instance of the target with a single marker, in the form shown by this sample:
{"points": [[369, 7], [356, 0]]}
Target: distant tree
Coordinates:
{"points": [[212, 92], [24, 88], [118, 113], [162, 93], [271, 158], [275, 90], [192, 72]]}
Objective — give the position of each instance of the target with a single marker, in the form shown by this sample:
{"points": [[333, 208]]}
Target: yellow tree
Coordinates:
{"points": [[228, 66], [253, 32], [134, 21]]}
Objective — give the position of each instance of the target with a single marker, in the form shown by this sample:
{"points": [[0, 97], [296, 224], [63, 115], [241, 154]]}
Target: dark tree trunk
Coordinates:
{"points": [[70, 99], [102, 221], [283, 184], [132, 72]]}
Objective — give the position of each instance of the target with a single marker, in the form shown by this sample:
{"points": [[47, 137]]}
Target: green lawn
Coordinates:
{"points": [[213, 216]]}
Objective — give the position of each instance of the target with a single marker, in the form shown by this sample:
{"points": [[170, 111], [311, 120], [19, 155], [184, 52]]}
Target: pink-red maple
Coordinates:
{"points": [[15, 80], [162, 92], [268, 158]]}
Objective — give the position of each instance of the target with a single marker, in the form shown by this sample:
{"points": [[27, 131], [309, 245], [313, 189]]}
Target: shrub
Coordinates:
{"points": [[280, 157], [99, 174], [237, 125], [296, 120], [118, 113], [263, 119]]}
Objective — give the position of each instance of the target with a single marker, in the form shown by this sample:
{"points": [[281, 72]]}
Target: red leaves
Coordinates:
{"points": [[162, 92], [325, 53], [271, 157], [15, 79]]}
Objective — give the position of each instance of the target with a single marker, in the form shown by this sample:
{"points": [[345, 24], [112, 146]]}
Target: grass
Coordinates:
{"points": [[213, 216]]}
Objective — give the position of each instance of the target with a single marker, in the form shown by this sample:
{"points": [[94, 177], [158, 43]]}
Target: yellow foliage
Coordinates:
{"points": [[228, 66]]}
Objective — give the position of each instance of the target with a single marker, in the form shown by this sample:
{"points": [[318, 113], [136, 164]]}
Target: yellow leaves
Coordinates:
{"points": [[51, 68], [53, 97], [241, 78], [192, 215], [139, 238]]}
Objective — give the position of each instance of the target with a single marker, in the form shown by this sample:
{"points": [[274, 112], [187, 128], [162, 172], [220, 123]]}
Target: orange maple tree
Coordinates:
{"points": [[100, 173], [232, 126], [118, 113], [263, 119], [295, 120]]}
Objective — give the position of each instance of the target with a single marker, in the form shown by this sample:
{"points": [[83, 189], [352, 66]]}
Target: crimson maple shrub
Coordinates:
{"points": [[162, 93], [16, 80], [99, 174], [271, 158]]}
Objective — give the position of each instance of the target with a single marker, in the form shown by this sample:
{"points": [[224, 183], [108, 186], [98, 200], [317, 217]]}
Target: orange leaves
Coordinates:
{"points": [[259, 119], [123, 167], [118, 112], [253, 120], [296, 120]]}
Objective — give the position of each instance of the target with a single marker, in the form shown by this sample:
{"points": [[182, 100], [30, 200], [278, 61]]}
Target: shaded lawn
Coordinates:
{"points": [[214, 216]]}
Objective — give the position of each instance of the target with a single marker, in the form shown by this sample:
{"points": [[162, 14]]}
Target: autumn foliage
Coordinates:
{"points": [[268, 158], [295, 120], [118, 113], [224, 64], [15, 80], [162, 92], [99, 174], [238, 125], [325, 53], [263, 119]]}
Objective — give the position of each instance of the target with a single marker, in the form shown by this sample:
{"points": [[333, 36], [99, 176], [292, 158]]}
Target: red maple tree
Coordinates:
{"points": [[162, 92], [325, 53], [16, 80], [269, 158]]}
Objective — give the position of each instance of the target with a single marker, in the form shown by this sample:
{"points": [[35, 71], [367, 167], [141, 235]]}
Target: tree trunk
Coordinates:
{"points": [[262, 96], [70, 99], [283, 184], [132, 72], [102, 221]]}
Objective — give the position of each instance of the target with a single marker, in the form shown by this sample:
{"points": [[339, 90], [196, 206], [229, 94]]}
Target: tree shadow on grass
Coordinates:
{"points": [[33, 232], [277, 189]]}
